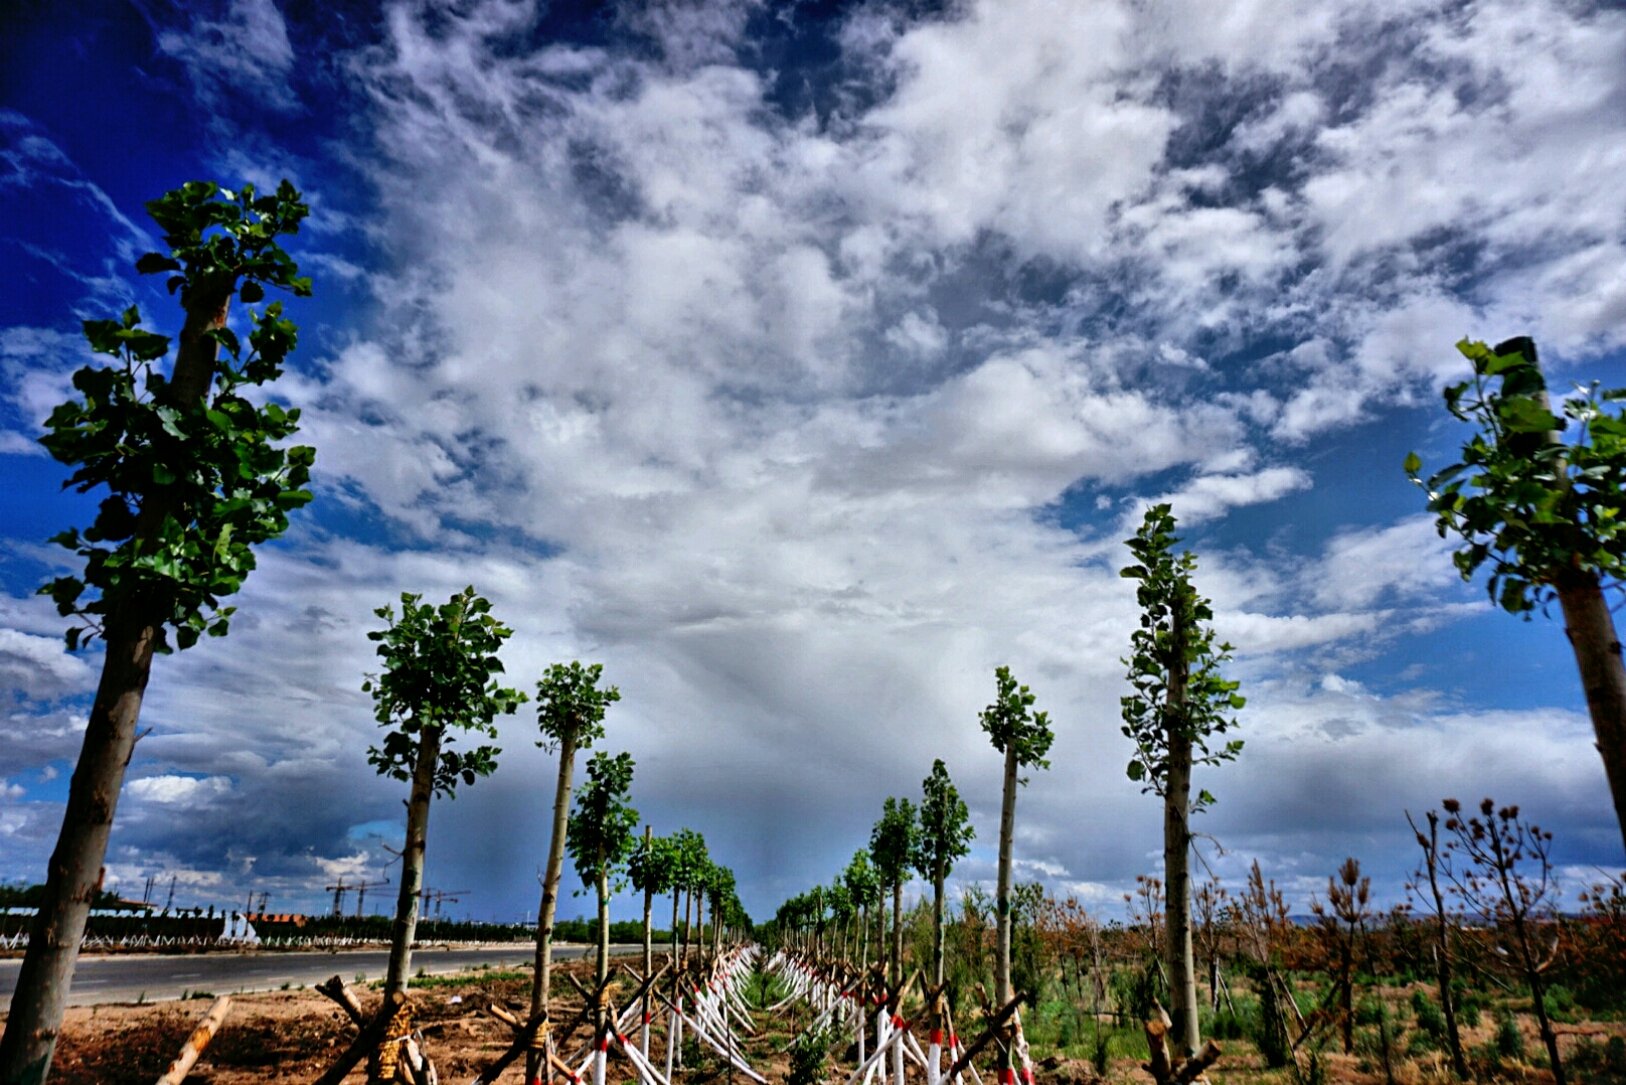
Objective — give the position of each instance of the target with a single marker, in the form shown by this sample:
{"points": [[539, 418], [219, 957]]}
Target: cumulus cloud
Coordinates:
{"points": [[802, 420]]}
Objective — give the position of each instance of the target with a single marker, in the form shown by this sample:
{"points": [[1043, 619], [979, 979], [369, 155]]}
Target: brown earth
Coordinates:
{"points": [[294, 1035]]}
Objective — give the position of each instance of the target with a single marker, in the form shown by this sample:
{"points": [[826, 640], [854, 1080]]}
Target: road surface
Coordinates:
{"points": [[155, 977]]}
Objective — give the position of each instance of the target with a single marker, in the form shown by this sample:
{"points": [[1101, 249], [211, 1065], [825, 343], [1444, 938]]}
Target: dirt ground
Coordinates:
{"points": [[294, 1035]]}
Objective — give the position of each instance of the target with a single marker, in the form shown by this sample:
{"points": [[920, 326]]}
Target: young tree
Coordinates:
{"points": [[650, 869], [1500, 865], [1430, 845], [865, 888], [1545, 516], [1024, 737], [719, 892], [438, 678], [601, 839], [840, 903], [193, 479], [570, 711], [945, 835], [1178, 701], [1341, 921], [688, 852], [892, 844], [694, 866]]}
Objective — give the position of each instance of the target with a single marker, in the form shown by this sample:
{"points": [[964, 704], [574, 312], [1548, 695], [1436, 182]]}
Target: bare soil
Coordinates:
{"points": [[294, 1035]]}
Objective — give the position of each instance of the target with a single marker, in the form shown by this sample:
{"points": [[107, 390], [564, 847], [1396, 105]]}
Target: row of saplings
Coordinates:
{"points": [[1478, 975]]}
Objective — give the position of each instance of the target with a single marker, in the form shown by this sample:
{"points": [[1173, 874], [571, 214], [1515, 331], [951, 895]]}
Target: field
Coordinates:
{"points": [[295, 1034]]}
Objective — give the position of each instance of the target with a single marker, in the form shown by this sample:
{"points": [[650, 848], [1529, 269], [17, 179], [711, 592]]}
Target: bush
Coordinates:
{"points": [[1270, 1027], [809, 1053], [1470, 1008], [1430, 1018], [1599, 1064], [1508, 1041], [1234, 1023], [1560, 1004]]}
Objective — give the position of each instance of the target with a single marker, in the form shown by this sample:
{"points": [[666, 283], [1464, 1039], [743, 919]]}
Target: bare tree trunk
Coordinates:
{"points": [[1591, 632], [75, 870], [381, 1067], [863, 940], [1002, 894], [542, 969], [1177, 875], [896, 972], [74, 874], [675, 895], [688, 910], [649, 951], [937, 928], [602, 972]]}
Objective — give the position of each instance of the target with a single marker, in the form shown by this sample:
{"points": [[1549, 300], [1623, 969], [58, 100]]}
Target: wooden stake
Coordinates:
{"points": [[196, 1042]]}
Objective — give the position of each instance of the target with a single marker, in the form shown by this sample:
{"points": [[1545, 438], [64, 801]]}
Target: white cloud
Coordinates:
{"points": [[774, 414], [246, 49], [1208, 496], [40, 665], [178, 790]]}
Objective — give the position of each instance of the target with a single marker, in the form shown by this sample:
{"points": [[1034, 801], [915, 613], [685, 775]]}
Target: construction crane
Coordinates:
{"points": [[439, 896], [361, 892], [338, 892]]}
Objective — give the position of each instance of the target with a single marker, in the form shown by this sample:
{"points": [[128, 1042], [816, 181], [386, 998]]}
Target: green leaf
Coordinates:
{"points": [[1413, 464], [152, 263]]}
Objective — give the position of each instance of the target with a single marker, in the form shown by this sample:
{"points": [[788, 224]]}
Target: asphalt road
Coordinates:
{"points": [[153, 977]]}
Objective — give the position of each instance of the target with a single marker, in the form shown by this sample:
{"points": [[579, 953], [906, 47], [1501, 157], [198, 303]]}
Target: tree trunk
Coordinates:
{"points": [[863, 940], [602, 972], [75, 870], [688, 910], [1179, 960], [937, 928], [895, 973], [417, 834], [1591, 632], [675, 895], [649, 950], [381, 1066], [1177, 876], [74, 874], [1002, 895], [542, 969]]}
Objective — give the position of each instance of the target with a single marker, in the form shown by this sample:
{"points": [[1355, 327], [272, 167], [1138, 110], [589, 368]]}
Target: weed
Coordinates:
{"points": [[1508, 1041], [809, 1054], [1430, 1019]]}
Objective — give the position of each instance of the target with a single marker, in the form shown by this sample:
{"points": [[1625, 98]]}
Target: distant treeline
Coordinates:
{"points": [[370, 928], [29, 896]]}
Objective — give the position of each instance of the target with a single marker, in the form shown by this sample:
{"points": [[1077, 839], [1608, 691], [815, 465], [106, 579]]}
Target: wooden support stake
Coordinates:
{"points": [[196, 1042], [366, 1040], [505, 1017], [335, 989], [530, 1030], [990, 1032]]}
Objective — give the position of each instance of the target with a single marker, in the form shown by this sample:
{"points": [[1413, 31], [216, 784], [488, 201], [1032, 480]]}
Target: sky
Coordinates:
{"points": [[803, 362]]}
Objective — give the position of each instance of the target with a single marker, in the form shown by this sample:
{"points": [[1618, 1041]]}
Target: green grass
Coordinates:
{"points": [[457, 978]]}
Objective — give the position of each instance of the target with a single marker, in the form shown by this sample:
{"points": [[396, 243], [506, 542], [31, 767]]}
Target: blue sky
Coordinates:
{"points": [[804, 362]]}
